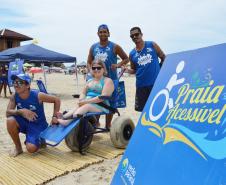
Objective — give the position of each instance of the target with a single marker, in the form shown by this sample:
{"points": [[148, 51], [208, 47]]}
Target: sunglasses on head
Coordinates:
{"points": [[134, 35], [19, 82], [96, 68]]}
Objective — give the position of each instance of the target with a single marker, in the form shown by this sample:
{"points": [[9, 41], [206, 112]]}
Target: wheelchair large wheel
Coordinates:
{"points": [[72, 140], [121, 131]]}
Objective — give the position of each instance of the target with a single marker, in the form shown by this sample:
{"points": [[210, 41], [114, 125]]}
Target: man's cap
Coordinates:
{"points": [[22, 76], [103, 26]]}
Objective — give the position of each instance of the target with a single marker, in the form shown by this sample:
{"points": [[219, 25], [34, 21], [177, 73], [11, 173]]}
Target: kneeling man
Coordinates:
{"points": [[25, 114]]}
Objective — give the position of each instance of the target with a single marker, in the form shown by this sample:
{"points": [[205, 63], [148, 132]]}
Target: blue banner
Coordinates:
{"points": [[180, 136], [15, 68]]}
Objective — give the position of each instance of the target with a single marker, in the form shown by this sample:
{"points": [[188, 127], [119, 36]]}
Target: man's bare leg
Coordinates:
{"points": [[1, 86], [10, 92], [98, 120], [13, 130], [5, 86], [108, 121]]}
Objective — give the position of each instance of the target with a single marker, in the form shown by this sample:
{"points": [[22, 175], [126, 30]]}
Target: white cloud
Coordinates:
{"points": [[70, 26]]}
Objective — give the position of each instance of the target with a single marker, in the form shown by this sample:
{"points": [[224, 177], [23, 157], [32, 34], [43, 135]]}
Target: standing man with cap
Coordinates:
{"points": [[145, 64], [107, 52], [29, 116]]}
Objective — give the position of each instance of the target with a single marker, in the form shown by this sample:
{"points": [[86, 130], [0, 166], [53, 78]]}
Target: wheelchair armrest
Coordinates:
{"points": [[105, 97]]}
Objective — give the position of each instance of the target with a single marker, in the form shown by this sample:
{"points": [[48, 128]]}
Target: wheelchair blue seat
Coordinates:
{"points": [[54, 134]]}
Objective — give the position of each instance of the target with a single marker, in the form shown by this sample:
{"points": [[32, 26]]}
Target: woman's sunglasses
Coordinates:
{"points": [[96, 68], [19, 82]]}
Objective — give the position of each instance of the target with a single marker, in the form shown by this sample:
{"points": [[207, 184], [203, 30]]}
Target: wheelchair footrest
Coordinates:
{"points": [[54, 134]]}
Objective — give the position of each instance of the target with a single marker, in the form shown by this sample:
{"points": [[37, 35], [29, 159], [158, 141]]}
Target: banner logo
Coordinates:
{"points": [[125, 164], [191, 111], [128, 171]]}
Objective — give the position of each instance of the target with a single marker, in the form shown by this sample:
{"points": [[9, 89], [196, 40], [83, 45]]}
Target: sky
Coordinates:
{"points": [[70, 26]]}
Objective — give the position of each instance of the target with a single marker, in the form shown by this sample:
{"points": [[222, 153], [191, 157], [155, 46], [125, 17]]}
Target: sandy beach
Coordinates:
{"points": [[64, 86]]}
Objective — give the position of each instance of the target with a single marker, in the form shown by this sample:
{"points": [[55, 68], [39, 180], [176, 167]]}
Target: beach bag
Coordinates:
{"points": [[119, 96]]}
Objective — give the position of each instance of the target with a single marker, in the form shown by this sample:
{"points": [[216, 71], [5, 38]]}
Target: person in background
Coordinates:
{"points": [[4, 80], [107, 52], [144, 62], [25, 114]]}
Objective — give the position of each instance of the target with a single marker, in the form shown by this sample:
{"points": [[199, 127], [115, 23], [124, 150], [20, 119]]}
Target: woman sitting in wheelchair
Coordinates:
{"points": [[99, 85]]}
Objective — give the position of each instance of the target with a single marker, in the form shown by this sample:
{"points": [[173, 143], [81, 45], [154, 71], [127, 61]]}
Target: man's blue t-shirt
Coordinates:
{"points": [[107, 55], [32, 103], [146, 64]]}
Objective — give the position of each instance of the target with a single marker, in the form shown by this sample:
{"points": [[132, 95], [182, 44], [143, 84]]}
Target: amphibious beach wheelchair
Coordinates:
{"points": [[79, 133]]}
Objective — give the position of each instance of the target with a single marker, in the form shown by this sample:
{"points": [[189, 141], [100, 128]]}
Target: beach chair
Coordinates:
{"points": [[41, 86], [79, 133]]}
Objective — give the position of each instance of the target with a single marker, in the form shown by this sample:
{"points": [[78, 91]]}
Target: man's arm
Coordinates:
{"points": [[89, 60], [159, 52], [121, 53], [50, 99], [132, 69], [10, 111]]}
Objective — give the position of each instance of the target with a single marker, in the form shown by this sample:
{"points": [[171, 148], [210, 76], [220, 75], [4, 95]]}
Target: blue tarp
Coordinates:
{"points": [[34, 53]]}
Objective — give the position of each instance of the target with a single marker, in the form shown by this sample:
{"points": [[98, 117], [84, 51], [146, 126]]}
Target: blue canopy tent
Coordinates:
{"points": [[36, 54], [4, 59]]}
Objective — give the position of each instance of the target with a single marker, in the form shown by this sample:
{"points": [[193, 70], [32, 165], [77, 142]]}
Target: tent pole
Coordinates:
{"points": [[44, 74], [76, 75]]}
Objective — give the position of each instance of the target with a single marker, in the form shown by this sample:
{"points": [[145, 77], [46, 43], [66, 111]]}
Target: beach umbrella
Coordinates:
{"points": [[28, 65], [35, 70]]}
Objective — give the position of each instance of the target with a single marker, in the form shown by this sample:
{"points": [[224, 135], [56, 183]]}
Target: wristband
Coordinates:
{"points": [[19, 113]]}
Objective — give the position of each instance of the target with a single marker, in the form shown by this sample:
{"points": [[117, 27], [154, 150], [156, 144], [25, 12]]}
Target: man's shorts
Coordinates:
{"points": [[3, 79], [142, 94], [31, 129]]}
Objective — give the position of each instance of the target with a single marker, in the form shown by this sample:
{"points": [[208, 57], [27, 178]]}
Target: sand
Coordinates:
{"points": [[64, 86]]}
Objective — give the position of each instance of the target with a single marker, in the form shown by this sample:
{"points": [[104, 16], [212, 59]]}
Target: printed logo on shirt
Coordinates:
{"points": [[97, 50], [19, 105], [108, 48], [136, 55], [149, 50], [32, 107], [101, 56], [145, 59]]}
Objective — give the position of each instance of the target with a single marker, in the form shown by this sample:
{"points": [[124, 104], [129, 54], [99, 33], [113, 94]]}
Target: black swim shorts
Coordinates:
{"points": [[142, 94]]}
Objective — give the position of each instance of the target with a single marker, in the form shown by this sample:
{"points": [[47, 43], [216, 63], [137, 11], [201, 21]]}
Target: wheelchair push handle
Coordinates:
{"points": [[121, 73]]}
